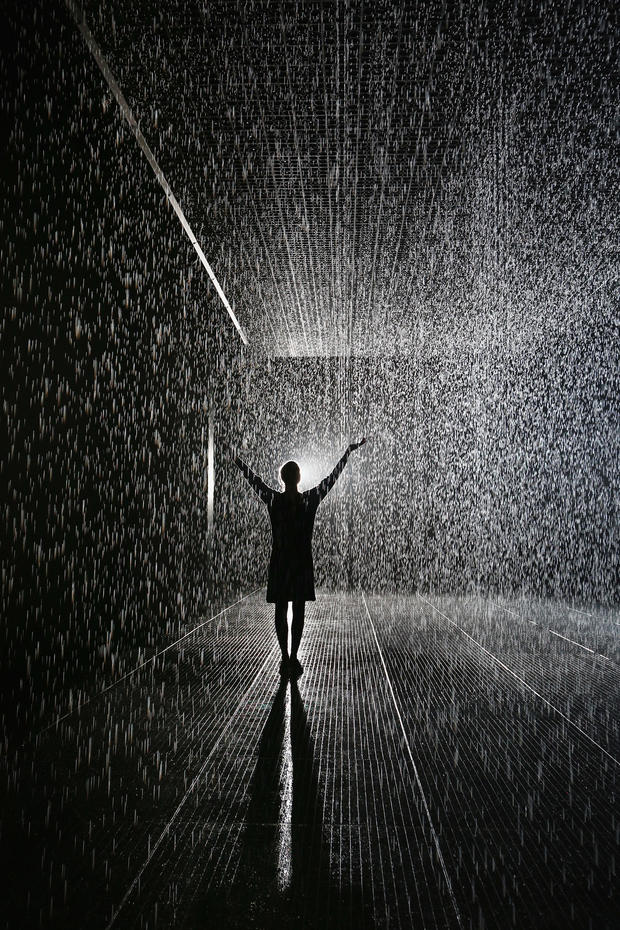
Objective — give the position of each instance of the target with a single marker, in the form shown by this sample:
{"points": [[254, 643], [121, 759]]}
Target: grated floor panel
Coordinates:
{"points": [[443, 762]]}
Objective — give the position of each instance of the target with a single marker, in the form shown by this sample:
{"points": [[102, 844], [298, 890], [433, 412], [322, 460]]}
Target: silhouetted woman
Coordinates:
{"points": [[291, 572]]}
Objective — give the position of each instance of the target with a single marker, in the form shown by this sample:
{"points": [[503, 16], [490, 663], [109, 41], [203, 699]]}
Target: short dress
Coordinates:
{"points": [[291, 570]]}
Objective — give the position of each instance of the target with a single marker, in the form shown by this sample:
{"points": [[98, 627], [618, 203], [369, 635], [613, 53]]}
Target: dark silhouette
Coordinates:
{"points": [[291, 572]]}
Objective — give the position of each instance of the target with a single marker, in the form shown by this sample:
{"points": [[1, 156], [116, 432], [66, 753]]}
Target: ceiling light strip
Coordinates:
{"points": [[111, 80]]}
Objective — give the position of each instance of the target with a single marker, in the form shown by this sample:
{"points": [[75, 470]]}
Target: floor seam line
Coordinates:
{"points": [[194, 782], [523, 681], [415, 772], [138, 668], [548, 629]]}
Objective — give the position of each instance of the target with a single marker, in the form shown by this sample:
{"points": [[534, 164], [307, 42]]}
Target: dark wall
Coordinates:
{"points": [[95, 337]]}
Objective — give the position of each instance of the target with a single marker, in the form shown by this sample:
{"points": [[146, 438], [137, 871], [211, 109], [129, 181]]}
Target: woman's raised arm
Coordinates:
{"points": [[327, 483], [264, 491]]}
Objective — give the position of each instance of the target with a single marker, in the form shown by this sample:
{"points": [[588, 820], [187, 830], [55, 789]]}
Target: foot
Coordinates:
{"points": [[295, 666], [284, 666]]}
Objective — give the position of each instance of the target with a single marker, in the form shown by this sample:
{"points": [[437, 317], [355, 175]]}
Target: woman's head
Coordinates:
{"points": [[290, 474]]}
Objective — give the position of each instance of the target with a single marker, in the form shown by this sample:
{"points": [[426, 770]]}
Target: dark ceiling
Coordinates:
{"points": [[368, 176]]}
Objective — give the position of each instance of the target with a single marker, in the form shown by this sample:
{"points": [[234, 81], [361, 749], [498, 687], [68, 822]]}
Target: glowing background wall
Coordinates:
{"points": [[478, 472]]}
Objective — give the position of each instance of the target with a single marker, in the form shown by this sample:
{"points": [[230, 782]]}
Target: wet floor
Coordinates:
{"points": [[442, 762]]}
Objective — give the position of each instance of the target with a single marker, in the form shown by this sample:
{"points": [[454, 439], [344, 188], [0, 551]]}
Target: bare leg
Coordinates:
{"points": [[282, 627], [299, 608]]}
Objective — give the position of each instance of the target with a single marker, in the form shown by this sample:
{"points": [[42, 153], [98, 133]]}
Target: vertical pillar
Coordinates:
{"points": [[210, 472]]}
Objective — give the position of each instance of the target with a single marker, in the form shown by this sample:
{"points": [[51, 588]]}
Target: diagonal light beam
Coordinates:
{"points": [[120, 99]]}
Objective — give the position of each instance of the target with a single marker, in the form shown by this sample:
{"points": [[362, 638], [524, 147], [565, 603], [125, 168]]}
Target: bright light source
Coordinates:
{"points": [[312, 473]]}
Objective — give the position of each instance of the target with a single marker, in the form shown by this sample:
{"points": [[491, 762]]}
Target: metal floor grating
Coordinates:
{"points": [[442, 762]]}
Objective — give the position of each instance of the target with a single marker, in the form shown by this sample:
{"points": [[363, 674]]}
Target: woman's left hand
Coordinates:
{"points": [[356, 445]]}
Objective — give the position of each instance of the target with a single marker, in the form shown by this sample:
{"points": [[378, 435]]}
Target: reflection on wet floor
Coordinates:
{"points": [[283, 873], [442, 762]]}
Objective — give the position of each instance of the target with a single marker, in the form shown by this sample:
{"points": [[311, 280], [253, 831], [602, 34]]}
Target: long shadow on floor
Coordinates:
{"points": [[286, 876]]}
